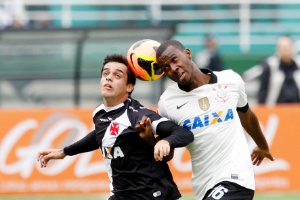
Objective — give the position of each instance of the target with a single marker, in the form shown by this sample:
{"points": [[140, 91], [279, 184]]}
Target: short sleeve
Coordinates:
{"points": [[242, 101], [161, 110]]}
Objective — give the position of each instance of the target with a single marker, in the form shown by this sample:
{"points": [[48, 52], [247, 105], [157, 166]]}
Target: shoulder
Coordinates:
{"points": [[272, 63], [227, 74], [97, 109], [170, 91], [133, 103], [229, 77], [135, 107], [297, 61]]}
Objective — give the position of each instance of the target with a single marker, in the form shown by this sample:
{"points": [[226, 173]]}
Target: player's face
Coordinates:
{"points": [[177, 65], [113, 84]]}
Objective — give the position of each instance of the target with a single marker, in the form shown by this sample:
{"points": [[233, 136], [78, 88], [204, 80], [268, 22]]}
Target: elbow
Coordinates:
{"points": [[191, 138]]}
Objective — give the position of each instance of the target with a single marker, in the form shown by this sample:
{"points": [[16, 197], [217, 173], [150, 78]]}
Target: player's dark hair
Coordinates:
{"points": [[120, 59], [163, 46]]}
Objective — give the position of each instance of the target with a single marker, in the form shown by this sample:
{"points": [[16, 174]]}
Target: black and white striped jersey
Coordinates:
{"points": [[133, 172]]}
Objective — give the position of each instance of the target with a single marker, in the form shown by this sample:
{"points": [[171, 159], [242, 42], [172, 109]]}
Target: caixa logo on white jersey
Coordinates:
{"points": [[208, 119], [112, 152]]}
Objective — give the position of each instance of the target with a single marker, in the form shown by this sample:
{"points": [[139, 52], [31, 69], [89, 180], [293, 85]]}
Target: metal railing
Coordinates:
{"points": [[54, 68], [246, 15]]}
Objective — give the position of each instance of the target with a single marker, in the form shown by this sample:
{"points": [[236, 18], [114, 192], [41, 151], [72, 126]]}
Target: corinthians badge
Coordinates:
{"points": [[204, 103], [222, 94]]}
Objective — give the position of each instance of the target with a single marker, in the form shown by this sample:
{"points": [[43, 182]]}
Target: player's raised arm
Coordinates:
{"points": [[251, 125]]}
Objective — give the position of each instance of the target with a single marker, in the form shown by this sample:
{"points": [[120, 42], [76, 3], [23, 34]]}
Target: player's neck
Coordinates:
{"points": [[198, 79], [114, 101]]}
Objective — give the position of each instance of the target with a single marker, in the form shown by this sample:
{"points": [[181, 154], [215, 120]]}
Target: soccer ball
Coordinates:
{"points": [[141, 57]]}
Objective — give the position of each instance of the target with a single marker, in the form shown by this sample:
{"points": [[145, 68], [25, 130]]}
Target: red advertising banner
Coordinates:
{"points": [[24, 132]]}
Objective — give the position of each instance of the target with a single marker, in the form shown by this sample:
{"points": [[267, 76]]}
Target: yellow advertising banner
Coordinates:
{"points": [[24, 132]]}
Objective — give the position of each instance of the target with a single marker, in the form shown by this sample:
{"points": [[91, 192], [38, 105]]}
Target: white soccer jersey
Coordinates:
{"points": [[220, 150]]}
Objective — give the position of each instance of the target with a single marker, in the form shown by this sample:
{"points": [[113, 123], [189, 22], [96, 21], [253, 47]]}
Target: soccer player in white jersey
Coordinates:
{"points": [[213, 105]]}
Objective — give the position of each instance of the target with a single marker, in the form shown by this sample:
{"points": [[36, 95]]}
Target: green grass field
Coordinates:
{"points": [[271, 196]]}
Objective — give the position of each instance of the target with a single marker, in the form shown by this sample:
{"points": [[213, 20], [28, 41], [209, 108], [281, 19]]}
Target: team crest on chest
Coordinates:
{"points": [[221, 93], [204, 103], [114, 129]]}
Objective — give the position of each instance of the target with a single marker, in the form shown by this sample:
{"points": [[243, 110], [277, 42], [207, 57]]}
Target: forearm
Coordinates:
{"points": [[252, 127], [86, 144], [176, 135]]}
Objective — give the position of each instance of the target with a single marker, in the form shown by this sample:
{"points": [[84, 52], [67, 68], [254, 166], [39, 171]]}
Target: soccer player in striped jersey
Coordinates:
{"points": [[122, 127]]}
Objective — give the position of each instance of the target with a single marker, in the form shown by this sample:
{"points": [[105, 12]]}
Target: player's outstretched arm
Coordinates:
{"points": [[46, 155], [86, 144], [251, 125]]}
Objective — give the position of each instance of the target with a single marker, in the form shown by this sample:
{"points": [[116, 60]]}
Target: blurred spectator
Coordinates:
{"points": [[280, 79], [12, 14], [209, 57], [43, 19]]}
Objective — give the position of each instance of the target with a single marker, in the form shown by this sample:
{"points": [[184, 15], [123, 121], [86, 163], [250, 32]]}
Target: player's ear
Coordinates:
{"points": [[188, 52], [129, 88]]}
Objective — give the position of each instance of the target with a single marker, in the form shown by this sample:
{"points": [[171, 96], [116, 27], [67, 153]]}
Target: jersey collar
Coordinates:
{"points": [[213, 79]]}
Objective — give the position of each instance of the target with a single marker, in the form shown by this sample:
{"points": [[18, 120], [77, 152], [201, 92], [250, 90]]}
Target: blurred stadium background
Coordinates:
{"points": [[53, 60]]}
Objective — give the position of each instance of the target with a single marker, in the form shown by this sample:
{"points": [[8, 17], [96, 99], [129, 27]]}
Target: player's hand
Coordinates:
{"points": [[145, 128], [44, 156], [258, 155], [161, 150]]}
